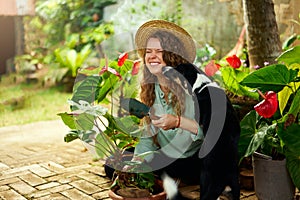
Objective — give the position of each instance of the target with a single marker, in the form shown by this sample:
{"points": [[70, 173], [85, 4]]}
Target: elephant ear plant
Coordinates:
{"points": [[273, 127], [96, 118]]}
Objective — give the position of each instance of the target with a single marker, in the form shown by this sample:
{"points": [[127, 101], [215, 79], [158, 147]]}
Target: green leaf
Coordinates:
{"points": [[84, 53], [107, 86], [290, 56], [60, 56], [127, 123], [104, 146], [287, 43], [68, 120], [257, 140], [84, 121], [231, 79], [72, 135], [283, 97], [248, 129], [293, 165], [71, 61], [295, 106], [290, 136], [88, 89], [270, 78]]}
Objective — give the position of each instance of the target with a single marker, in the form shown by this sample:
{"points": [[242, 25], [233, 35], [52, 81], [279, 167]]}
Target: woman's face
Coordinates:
{"points": [[154, 56]]}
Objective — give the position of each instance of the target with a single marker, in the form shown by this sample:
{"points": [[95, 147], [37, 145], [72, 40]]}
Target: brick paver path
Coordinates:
{"points": [[35, 163]]}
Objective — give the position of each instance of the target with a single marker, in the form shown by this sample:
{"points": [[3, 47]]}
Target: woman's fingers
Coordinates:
{"points": [[165, 122]]}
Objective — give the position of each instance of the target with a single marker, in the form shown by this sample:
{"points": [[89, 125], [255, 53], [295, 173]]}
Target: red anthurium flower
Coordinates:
{"points": [[122, 59], [111, 70], [268, 106], [211, 68], [135, 68], [106, 68], [234, 61]]}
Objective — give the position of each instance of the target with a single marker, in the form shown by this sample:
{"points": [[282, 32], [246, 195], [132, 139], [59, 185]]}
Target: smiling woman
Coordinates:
{"points": [[153, 57], [185, 101]]}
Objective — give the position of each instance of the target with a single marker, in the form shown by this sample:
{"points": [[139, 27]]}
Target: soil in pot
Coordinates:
{"points": [[138, 194]]}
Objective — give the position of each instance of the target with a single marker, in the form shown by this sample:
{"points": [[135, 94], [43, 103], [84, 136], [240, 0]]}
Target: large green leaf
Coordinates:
{"points": [[68, 120], [293, 165], [290, 136], [104, 147], [84, 121], [290, 56], [248, 129], [257, 140], [270, 78], [295, 106], [127, 123], [231, 79], [88, 89], [283, 97]]}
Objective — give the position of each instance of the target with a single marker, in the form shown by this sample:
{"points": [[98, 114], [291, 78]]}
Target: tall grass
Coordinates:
{"points": [[22, 103]]}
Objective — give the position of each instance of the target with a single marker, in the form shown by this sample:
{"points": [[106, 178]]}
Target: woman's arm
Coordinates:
{"points": [[168, 121]]}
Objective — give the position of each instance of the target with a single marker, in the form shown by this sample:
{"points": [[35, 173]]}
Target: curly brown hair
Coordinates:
{"points": [[172, 49]]}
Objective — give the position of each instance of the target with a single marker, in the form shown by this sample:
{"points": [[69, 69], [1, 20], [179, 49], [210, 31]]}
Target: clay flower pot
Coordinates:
{"points": [[161, 195]]}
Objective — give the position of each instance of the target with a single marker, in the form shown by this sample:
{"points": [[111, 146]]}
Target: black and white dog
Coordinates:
{"points": [[217, 117]]}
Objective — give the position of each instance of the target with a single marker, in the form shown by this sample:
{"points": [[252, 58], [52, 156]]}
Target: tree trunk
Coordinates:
{"points": [[262, 32]]}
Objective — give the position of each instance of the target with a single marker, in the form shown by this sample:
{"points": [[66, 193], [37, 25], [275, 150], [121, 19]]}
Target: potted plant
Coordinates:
{"points": [[271, 133], [97, 119]]}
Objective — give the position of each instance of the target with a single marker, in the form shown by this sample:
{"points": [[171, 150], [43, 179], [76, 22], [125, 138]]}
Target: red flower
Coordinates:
{"points": [[234, 61], [122, 59], [111, 70], [211, 68], [135, 68], [106, 68], [268, 106]]}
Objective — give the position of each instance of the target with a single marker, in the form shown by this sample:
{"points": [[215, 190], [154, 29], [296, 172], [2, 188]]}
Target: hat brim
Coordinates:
{"points": [[147, 29]]}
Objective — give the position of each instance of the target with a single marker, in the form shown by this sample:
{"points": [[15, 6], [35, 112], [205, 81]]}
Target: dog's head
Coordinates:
{"points": [[173, 75]]}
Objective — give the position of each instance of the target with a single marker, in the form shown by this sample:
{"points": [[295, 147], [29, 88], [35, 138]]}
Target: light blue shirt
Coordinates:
{"points": [[175, 143]]}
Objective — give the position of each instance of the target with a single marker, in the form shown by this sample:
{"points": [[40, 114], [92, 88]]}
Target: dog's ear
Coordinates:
{"points": [[173, 75]]}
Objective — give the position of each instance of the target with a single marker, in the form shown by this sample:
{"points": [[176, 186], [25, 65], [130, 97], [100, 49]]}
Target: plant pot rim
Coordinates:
{"points": [[262, 156], [159, 196]]}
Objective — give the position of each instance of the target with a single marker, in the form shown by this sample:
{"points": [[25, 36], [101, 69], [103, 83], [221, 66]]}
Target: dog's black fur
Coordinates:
{"points": [[219, 168]]}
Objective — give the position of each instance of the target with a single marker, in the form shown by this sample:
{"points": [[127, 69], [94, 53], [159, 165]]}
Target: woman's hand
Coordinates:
{"points": [[166, 121]]}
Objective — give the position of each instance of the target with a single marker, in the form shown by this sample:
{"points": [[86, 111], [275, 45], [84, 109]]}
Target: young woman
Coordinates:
{"points": [[180, 121]]}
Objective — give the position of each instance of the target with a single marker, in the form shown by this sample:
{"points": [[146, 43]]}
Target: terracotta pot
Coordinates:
{"points": [[160, 196]]}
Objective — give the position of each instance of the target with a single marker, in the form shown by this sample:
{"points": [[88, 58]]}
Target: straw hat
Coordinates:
{"points": [[147, 29]]}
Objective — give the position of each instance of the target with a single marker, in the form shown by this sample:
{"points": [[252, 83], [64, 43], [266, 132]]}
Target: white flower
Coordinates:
{"points": [[85, 107]]}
